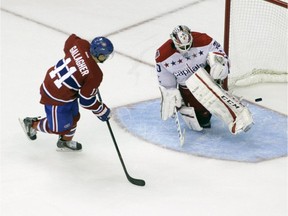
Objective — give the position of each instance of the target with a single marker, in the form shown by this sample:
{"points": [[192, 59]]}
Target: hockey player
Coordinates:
{"points": [[74, 79], [192, 71]]}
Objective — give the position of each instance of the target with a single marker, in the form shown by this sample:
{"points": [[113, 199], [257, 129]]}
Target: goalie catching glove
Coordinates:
{"points": [[218, 66], [171, 100], [103, 112]]}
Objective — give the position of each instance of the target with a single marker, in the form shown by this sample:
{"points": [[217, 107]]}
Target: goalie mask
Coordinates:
{"points": [[182, 38]]}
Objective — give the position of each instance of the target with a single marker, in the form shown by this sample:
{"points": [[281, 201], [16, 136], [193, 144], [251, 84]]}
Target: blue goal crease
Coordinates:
{"points": [[266, 140]]}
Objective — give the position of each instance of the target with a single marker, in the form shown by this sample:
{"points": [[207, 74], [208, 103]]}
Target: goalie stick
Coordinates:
{"points": [[181, 134], [134, 181]]}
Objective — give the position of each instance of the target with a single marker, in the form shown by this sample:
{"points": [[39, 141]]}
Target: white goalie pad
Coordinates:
{"points": [[171, 98], [219, 102], [189, 117]]}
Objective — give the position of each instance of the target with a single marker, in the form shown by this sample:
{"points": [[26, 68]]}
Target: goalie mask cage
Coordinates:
{"points": [[255, 39]]}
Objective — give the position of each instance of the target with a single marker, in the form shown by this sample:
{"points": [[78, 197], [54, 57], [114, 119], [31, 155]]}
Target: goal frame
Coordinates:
{"points": [[226, 43]]}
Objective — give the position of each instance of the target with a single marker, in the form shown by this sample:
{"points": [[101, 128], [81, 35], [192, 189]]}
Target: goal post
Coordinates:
{"points": [[255, 39]]}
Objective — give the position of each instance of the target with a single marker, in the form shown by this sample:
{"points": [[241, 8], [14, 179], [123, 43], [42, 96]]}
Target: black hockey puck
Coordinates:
{"points": [[258, 99]]}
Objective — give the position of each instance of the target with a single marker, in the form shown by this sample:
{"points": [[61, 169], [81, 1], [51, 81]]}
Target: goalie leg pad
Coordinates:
{"points": [[189, 117], [219, 102], [171, 98]]}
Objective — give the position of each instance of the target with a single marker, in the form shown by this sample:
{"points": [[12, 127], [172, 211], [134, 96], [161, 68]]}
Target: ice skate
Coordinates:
{"points": [[206, 125], [65, 146], [26, 124]]}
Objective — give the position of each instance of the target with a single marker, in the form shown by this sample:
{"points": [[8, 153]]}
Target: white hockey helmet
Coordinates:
{"points": [[182, 38]]}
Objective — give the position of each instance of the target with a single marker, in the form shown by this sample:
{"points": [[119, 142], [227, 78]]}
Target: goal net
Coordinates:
{"points": [[256, 34]]}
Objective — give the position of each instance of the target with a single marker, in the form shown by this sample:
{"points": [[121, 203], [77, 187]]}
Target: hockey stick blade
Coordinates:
{"points": [[134, 181]]}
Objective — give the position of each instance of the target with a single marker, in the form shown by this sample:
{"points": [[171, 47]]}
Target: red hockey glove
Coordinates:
{"points": [[103, 112]]}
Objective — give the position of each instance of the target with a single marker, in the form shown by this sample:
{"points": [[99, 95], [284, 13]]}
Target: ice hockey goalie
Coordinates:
{"points": [[192, 69]]}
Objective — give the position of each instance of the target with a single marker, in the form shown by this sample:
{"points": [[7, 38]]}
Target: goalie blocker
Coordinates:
{"points": [[171, 101], [219, 102]]}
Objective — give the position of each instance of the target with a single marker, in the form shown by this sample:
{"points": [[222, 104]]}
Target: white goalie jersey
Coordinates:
{"points": [[188, 66], [173, 68]]}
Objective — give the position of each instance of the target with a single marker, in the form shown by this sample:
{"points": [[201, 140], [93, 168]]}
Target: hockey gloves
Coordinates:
{"points": [[219, 66], [103, 112], [171, 98]]}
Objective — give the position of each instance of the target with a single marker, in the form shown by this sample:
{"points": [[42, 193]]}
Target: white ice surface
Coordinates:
{"points": [[37, 180]]}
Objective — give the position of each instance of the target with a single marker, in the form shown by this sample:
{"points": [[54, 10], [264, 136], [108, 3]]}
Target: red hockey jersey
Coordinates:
{"points": [[76, 75]]}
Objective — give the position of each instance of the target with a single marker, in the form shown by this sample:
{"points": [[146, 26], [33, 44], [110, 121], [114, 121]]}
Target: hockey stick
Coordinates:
{"points": [[181, 133], [134, 181]]}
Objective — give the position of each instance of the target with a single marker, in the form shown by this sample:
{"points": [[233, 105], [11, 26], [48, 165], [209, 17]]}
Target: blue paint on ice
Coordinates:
{"points": [[267, 139]]}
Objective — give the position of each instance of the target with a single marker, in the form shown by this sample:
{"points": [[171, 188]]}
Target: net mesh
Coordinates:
{"points": [[258, 41]]}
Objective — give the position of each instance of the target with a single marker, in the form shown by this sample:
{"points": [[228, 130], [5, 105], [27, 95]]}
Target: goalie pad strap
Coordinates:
{"points": [[189, 117]]}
